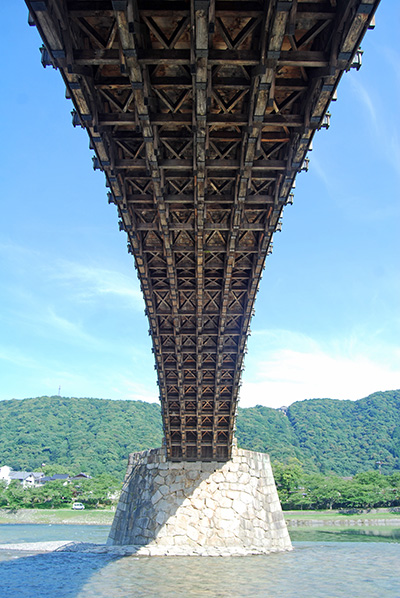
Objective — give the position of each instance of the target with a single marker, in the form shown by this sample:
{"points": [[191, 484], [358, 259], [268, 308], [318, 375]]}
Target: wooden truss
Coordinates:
{"points": [[200, 114]]}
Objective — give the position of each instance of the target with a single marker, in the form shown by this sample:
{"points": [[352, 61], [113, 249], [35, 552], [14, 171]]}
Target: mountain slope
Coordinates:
{"points": [[96, 435]]}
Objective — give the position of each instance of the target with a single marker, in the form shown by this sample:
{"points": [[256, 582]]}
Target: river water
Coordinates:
{"points": [[323, 564]]}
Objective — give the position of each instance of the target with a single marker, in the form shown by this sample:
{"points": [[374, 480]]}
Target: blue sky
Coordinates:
{"points": [[327, 318]]}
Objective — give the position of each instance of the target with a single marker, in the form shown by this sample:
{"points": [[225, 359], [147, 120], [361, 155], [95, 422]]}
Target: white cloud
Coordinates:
{"points": [[386, 136], [320, 171], [369, 103], [72, 330], [87, 282], [295, 367], [17, 358], [83, 282], [134, 390]]}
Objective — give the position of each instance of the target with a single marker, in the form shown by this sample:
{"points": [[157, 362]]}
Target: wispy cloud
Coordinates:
{"points": [[321, 173], [131, 388], [87, 282], [83, 282], [17, 358], [71, 329], [366, 99], [296, 367], [385, 135]]}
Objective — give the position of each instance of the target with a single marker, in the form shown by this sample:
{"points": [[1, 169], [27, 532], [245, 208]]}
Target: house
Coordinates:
{"points": [[57, 477], [45, 478], [63, 477], [28, 479], [81, 476], [5, 473]]}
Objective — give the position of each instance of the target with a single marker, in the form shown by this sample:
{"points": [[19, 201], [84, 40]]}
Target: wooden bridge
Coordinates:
{"points": [[200, 113]]}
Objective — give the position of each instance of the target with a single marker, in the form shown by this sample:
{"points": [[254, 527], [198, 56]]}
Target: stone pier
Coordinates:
{"points": [[200, 508]]}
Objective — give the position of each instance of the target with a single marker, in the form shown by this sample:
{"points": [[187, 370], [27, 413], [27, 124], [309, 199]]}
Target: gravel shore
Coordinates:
{"points": [[69, 546], [61, 546]]}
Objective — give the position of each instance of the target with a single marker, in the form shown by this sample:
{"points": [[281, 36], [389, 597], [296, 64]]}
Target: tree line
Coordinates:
{"points": [[96, 435], [296, 488], [98, 492], [300, 490]]}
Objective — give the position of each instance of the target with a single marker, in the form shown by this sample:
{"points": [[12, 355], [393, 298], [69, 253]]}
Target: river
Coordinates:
{"points": [[323, 564]]}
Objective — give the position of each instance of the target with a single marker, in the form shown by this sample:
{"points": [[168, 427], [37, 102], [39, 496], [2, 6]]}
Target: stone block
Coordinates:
{"points": [[234, 467], [164, 489], [239, 507], [224, 502], [156, 497], [175, 465], [192, 533], [243, 478], [225, 524], [175, 487], [200, 508], [228, 514], [208, 513], [196, 465], [209, 467], [218, 477], [210, 503], [246, 497], [197, 503], [232, 493], [161, 517], [231, 477]]}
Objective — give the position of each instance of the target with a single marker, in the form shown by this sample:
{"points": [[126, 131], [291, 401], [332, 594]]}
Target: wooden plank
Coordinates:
{"points": [[200, 159]]}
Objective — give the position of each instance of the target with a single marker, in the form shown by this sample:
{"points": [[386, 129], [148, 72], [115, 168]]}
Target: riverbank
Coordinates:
{"points": [[375, 517], [370, 517], [57, 516]]}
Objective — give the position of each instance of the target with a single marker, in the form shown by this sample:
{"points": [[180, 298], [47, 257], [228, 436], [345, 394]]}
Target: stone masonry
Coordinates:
{"points": [[200, 508]]}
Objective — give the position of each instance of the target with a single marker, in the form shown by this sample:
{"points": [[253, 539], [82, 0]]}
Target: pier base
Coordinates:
{"points": [[200, 508]]}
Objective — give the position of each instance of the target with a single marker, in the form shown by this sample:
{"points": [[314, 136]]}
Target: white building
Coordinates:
{"points": [[26, 478]]}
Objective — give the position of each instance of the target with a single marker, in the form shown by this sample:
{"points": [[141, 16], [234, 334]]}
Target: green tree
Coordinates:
{"points": [[16, 496], [98, 492], [3, 496], [325, 492], [287, 478], [54, 468], [52, 495]]}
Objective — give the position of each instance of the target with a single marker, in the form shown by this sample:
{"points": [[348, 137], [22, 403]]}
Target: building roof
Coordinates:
{"points": [[22, 475], [19, 475], [45, 478]]}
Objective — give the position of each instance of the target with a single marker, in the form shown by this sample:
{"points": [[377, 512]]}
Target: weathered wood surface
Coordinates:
{"points": [[200, 113]]}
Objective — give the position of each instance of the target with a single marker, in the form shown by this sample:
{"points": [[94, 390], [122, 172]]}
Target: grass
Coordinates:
{"points": [[334, 514], [105, 517], [374, 517], [62, 516]]}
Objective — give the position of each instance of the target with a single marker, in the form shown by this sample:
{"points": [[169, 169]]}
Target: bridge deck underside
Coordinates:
{"points": [[200, 114]]}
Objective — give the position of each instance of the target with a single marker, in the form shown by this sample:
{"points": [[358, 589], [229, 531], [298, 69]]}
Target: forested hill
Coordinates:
{"points": [[96, 435]]}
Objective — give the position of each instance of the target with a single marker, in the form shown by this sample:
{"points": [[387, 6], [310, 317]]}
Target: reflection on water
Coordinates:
{"points": [[332, 570], [359, 534], [34, 532], [359, 565]]}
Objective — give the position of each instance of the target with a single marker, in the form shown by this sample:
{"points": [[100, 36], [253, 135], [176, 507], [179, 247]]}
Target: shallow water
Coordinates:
{"points": [[35, 532], [360, 534], [324, 568]]}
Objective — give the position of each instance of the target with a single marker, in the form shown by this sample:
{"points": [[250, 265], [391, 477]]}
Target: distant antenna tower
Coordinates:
{"points": [[59, 391]]}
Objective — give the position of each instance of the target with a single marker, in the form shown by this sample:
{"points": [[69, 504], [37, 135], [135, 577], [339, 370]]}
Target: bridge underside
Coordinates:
{"points": [[200, 114]]}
